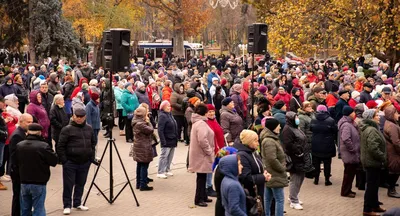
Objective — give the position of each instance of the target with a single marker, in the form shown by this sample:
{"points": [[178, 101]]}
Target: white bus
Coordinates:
{"points": [[155, 49]]}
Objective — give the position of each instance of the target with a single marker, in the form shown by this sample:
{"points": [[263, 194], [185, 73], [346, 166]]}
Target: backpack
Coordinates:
{"points": [[155, 97]]}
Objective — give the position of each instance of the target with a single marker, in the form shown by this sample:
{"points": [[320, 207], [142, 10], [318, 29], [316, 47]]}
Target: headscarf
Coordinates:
{"points": [[222, 153]]}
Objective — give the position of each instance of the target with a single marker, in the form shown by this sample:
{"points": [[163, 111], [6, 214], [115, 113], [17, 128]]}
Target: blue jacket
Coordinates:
{"points": [[280, 116], [129, 102], [118, 97], [232, 193], [167, 130], [209, 79], [93, 115]]}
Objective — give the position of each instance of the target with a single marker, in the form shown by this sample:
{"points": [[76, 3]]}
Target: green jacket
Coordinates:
{"points": [[273, 158], [118, 97], [373, 145], [129, 102]]}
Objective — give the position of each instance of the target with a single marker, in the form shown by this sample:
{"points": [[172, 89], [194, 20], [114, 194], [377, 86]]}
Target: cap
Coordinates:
{"points": [[387, 90], [367, 84], [79, 112], [215, 79], [35, 127], [341, 92]]}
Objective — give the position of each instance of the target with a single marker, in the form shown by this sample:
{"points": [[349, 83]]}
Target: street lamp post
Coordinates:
{"points": [[243, 47]]}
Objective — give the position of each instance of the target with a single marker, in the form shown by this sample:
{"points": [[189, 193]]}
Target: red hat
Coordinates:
{"points": [[94, 96], [223, 82], [210, 107], [371, 104]]}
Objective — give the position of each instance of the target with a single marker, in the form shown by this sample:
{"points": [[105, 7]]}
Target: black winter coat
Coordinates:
{"points": [[76, 143], [324, 131], [339, 109], [167, 130], [253, 171], [47, 101], [22, 94], [35, 149], [365, 97], [218, 177], [58, 120], [67, 90], [17, 136], [294, 142]]}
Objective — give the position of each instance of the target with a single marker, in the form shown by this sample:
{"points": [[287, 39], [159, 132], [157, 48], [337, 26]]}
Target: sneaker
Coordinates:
{"points": [[67, 211], [5, 178], [211, 192], [300, 202], [82, 208], [162, 176], [296, 206], [170, 174]]}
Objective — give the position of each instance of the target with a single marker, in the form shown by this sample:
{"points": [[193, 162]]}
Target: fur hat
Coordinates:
{"points": [[369, 114], [248, 136]]}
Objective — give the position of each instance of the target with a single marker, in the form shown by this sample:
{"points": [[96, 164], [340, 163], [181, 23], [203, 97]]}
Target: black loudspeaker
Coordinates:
{"points": [[115, 52], [257, 38]]}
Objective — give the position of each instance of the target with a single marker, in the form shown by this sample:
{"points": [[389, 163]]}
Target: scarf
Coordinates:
{"points": [[219, 139]]}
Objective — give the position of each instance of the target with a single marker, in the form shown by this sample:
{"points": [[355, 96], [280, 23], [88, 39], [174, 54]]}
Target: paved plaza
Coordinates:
{"points": [[175, 195]]}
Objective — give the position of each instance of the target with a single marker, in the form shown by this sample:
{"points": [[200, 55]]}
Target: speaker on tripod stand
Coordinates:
{"points": [[115, 51]]}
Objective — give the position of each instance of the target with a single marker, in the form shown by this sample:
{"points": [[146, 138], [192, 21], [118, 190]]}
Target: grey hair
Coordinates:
{"points": [[57, 97]]}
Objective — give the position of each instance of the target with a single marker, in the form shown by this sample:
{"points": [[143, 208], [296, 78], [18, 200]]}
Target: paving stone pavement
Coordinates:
{"points": [[175, 195]]}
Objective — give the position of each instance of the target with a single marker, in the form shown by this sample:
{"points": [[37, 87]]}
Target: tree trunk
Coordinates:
{"points": [[178, 38], [31, 38]]}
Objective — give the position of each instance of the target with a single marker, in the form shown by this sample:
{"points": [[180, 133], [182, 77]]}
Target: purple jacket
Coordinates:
{"points": [[38, 111], [349, 141]]}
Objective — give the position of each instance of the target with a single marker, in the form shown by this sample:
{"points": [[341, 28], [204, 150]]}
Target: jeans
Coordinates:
{"points": [[1, 153], [96, 134], [33, 196], [278, 195], [371, 192], [68, 107], [209, 180], [201, 194], [164, 163], [74, 177], [141, 174], [296, 180]]}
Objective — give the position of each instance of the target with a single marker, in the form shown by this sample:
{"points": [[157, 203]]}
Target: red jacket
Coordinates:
{"points": [[352, 103], [285, 98], [11, 125]]}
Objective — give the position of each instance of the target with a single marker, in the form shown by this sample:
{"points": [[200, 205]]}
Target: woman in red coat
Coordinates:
{"points": [[283, 96]]}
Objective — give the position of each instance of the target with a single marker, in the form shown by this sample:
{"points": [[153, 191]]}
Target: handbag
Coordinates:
{"points": [[289, 163], [129, 116], [256, 208]]}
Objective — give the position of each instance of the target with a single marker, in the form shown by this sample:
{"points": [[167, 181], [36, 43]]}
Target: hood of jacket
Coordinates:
{"points": [[84, 79], [291, 118], [359, 110], [236, 89], [196, 117], [53, 77], [275, 111], [225, 109], [365, 123], [177, 86], [228, 165], [136, 120], [313, 98], [267, 133], [33, 97], [322, 115], [246, 86], [8, 78], [190, 93], [345, 119], [389, 114], [195, 85]]}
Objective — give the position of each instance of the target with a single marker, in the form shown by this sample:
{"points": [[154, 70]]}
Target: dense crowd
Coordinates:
{"points": [[256, 127]]}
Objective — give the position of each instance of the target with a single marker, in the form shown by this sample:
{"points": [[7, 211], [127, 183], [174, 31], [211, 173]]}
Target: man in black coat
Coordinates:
{"points": [[34, 158], [365, 95], [344, 96], [47, 100], [76, 151], [17, 136]]}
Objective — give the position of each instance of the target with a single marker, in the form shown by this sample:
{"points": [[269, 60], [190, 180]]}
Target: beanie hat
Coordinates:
{"points": [[227, 150], [248, 136], [341, 92], [271, 123], [193, 100], [94, 96], [160, 75], [223, 82], [226, 101], [355, 94], [322, 108], [210, 107], [140, 111], [294, 90], [347, 110], [35, 127], [262, 89], [140, 85], [371, 104], [279, 104], [334, 88], [369, 114], [127, 84], [164, 104]]}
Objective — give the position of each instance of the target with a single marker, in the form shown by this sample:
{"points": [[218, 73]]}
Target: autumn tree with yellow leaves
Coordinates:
{"points": [[352, 27]]}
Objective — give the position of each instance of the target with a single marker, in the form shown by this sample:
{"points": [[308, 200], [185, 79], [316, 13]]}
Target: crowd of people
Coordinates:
{"points": [[257, 128]]}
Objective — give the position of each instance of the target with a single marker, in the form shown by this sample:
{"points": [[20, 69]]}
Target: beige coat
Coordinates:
{"points": [[201, 150]]}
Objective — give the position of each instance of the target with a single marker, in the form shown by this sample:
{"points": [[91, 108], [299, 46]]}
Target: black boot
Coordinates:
{"points": [[316, 180], [327, 182], [147, 188], [211, 192], [393, 193]]}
